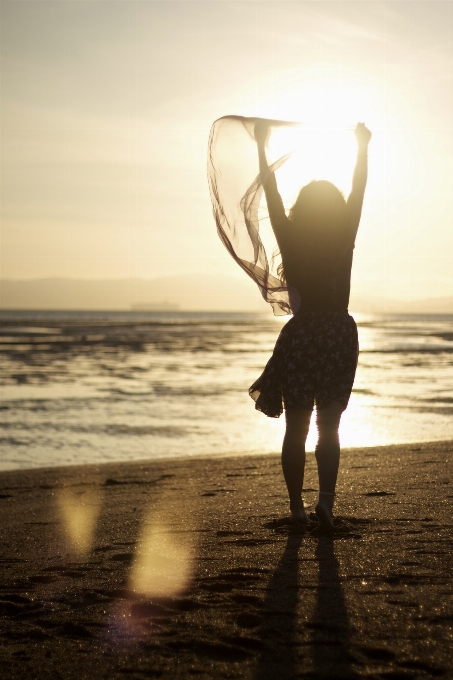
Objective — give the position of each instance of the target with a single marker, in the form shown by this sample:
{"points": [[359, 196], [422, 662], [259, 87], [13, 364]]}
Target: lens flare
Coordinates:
{"points": [[79, 514], [163, 563]]}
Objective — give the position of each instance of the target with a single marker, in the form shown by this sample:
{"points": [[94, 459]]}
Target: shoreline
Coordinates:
{"points": [[214, 456], [188, 568]]}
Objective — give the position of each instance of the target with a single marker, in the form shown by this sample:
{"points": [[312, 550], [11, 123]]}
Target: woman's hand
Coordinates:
{"points": [[363, 135], [262, 133]]}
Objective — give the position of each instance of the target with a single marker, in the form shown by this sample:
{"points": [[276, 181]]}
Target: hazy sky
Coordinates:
{"points": [[107, 106]]}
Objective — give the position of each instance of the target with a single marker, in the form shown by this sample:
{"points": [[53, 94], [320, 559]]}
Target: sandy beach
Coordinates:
{"points": [[188, 568]]}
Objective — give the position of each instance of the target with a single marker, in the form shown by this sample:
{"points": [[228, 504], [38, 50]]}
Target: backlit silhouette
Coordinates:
{"points": [[315, 357]]}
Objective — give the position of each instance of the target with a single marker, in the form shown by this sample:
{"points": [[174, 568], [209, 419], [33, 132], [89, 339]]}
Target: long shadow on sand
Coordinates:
{"points": [[320, 647], [278, 631], [330, 629]]}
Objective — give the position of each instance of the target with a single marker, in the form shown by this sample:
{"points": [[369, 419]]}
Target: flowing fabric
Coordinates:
{"points": [[236, 190]]}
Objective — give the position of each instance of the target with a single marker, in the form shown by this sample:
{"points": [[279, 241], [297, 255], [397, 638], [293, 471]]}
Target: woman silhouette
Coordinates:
{"points": [[315, 357]]}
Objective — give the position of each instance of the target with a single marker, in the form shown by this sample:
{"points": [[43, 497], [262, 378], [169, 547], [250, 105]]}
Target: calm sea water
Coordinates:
{"points": [[81, 387]]}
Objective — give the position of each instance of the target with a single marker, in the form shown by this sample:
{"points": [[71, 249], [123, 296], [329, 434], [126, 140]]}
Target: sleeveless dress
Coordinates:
{"points": [[315, 357]]}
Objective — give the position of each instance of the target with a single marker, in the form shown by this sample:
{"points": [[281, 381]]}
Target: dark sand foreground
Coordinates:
{"points": [[223, 587]]}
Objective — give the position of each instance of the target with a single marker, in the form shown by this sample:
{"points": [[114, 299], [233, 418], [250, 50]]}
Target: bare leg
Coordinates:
{"points": [[328, 458], [293, 458]]}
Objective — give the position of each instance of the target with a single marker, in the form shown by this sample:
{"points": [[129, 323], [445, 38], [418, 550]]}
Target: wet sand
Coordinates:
{"points": [[187, 568]]}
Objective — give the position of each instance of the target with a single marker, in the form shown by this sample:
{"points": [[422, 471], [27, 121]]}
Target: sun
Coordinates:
{"points": [[328, 104], [317, 152]]}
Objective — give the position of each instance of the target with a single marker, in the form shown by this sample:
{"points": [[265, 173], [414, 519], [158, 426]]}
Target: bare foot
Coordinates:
{"points": [[324, 509], [325, 516], [299, 515]]}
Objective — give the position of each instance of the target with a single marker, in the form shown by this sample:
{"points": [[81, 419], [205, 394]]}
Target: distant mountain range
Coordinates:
{"points": [[186, 292]]}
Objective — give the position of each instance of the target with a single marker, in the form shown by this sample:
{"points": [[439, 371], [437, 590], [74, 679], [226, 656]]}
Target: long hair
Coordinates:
{"points": [[319, 215]]}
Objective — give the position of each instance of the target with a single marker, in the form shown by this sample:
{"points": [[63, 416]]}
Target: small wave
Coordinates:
{"points": [[147, 430], [445, 336], [439, 410], [12, 441], [126, 393], [409, 350], [440, 400], [28, 330], [202, 391]]}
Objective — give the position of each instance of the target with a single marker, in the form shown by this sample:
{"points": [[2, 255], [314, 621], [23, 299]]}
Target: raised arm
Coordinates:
{"points": [[277, 214], [359, 179]]}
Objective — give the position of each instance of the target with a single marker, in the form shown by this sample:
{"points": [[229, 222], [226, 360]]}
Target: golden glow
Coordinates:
{"points": [[83, 143], [79, 514]]}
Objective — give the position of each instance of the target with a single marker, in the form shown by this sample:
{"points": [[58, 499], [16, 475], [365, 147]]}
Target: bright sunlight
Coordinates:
{"points": [[328, 106]]}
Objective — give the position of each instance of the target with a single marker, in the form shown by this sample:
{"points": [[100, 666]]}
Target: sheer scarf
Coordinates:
{"points": [[236, 188]]}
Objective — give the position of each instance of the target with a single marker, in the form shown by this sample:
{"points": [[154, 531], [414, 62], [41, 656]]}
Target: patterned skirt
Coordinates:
{"points": [[314, 360]]}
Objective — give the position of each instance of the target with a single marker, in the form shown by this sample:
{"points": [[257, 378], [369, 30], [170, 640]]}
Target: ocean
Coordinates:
{"points": [[97, 387]]}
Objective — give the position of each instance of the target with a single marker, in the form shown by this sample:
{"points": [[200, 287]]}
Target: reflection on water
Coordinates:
{"points": [[98, 387]]}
